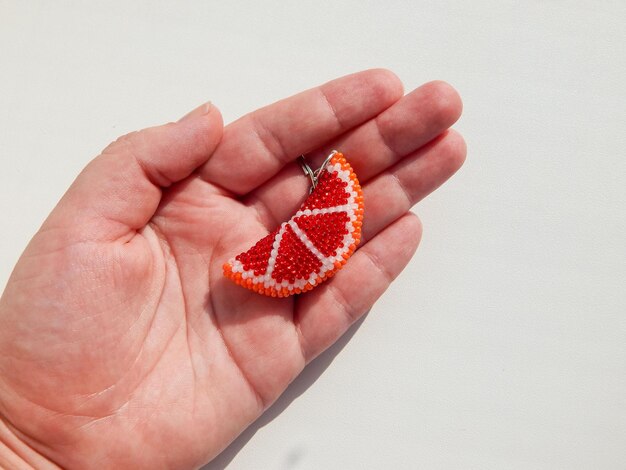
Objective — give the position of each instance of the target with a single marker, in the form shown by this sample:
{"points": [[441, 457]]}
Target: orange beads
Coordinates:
{"points": [[313, 245]]}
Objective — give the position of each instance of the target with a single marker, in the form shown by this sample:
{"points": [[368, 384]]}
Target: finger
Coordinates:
{"points": [[199, 111], [119, 191], [325, 313], [371, 148], [413, 121], [259, 144], [395, 191]]}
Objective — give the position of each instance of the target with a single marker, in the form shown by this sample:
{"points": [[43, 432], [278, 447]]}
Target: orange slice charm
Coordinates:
{"points": [[314, 244]]}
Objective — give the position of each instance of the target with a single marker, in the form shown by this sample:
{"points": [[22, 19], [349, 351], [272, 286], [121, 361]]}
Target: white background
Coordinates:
{"points": [[503, 345]]}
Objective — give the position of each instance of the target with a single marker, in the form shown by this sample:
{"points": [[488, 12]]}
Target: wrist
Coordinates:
{"points": [[16, 454]]}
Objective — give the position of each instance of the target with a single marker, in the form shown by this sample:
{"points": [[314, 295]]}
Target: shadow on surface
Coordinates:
{"points": [[307, 377]]}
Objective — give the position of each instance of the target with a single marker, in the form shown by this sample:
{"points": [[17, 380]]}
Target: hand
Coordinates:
{"points": [[121, 343]]}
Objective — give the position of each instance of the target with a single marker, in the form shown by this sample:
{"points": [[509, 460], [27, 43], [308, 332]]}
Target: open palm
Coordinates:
{"points": [[121, 343]]}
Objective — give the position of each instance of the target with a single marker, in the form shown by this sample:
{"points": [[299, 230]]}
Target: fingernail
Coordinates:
{"points": [[199, 111]]}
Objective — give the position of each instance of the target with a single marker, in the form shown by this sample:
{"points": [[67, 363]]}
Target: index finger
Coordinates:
{"points": [[258, 145]]}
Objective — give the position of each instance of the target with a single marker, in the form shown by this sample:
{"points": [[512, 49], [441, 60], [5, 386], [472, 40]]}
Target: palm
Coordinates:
{"points": [[138, 343]]}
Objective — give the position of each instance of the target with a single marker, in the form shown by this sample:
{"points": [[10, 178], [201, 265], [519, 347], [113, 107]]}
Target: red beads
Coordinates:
{"points": [[313, 245], [329, 192], [294, 260], [256, 258], [326, 231]]}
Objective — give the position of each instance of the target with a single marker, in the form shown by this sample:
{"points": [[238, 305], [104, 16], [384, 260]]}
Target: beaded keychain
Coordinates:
{"points": [[314, 244]]}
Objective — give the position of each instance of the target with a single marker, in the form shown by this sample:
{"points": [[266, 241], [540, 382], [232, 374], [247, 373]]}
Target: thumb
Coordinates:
{"points": [[119, 191]]}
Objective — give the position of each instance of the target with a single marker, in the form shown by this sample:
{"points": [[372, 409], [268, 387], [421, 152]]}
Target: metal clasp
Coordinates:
{"points": [[314, 176]]}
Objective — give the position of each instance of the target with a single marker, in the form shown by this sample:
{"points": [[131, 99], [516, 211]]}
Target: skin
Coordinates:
{"points": [[121, 343]]}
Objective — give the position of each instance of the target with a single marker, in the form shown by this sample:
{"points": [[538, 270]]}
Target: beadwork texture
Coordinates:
{"points": [[313, 245]]}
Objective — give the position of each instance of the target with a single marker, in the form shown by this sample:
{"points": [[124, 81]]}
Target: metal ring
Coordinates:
{"points": [[307, 171], [315, 175]]}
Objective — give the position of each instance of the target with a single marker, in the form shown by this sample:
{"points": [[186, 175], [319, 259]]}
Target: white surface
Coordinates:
{"points": [[503, 345]]}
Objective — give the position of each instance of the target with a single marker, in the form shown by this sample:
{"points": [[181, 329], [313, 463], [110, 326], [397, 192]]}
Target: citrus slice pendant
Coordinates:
{"points": [[314, 244]]}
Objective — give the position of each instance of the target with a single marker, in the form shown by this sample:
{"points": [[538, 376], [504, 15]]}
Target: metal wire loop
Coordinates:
{"points": [[314, 175]]}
